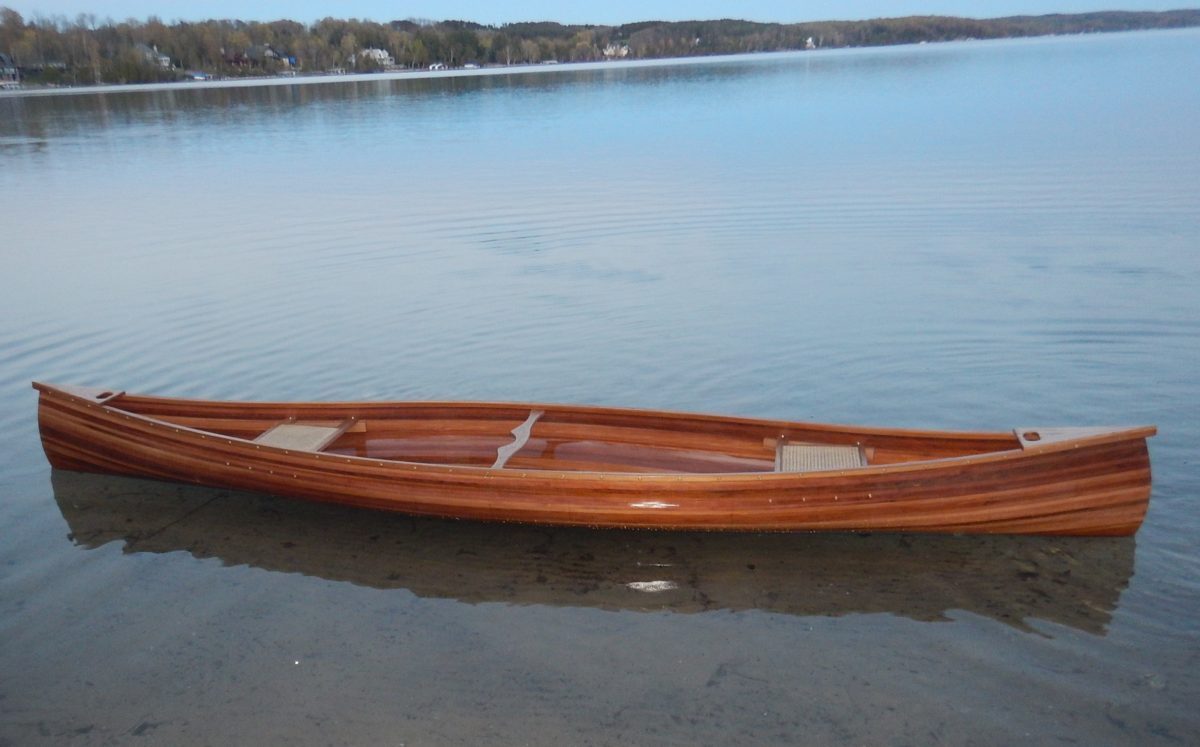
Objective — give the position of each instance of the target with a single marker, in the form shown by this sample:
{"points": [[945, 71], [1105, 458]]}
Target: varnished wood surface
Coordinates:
{"points": [[581, 465]]}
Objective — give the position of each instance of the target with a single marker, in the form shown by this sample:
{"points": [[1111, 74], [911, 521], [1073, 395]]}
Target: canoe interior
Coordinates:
{"points": [[562, 438]]}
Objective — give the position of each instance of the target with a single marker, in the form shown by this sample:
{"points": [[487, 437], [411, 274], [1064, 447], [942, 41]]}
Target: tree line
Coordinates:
{"points": [[58, 51]]}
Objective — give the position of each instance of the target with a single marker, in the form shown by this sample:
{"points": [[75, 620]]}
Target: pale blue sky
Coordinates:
{"points": [[608, 12]]}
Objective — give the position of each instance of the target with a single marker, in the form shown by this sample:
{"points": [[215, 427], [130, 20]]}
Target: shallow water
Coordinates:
{"points": [[977, 235]]}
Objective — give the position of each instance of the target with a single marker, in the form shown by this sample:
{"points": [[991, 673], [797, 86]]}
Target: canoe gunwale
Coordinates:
{"points": [[1018, 453]]}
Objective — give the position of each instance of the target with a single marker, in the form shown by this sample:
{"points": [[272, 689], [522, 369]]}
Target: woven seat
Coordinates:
{"points": [[302, 436], [817, 457]]}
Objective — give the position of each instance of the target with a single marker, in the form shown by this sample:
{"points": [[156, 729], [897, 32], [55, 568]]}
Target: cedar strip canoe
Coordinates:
{"points": [[612, 467]]}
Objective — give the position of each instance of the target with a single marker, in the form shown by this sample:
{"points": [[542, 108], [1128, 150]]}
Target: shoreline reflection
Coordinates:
{"points": [[1076, 582]]}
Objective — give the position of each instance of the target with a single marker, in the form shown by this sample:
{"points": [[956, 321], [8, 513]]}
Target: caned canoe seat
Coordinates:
{"points": [[302, 436], [801, 457]]}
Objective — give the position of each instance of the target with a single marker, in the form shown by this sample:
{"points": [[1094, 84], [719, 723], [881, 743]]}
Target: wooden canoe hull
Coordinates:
{"points": [[1098, 484]]}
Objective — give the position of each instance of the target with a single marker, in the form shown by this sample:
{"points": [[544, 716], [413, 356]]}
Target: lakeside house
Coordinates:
{"points": [[260, 56], [10, 77], [153, 56], [265, 55], [379, 57]]}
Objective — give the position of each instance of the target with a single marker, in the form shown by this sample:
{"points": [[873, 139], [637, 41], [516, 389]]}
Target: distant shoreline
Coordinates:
{"points": [[521, 69], [411, 74], [58, 56], [301, 79]]}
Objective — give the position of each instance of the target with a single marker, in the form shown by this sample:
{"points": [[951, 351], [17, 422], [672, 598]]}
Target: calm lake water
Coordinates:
{"points": [[974, 235]]}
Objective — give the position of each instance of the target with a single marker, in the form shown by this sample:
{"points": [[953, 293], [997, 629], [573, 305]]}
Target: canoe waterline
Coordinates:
{"points": [[1096, 482]]}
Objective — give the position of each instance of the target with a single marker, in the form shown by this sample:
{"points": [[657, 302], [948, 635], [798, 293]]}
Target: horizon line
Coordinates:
{"points": [[110, 20]]}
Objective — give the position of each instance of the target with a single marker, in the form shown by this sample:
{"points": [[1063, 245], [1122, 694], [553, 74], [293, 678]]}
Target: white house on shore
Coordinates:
{"points": [[380, 57], [152, 55]]}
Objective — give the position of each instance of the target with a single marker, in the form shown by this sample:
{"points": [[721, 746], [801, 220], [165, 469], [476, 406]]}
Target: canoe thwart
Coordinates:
{"points": [[301, 436], [801, 457], [520, 438]]}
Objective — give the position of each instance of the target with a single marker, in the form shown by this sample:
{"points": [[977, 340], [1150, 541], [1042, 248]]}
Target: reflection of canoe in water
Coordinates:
{"points": [[609, 467], [1075, 582]]}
